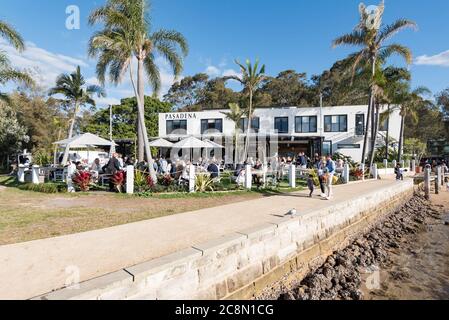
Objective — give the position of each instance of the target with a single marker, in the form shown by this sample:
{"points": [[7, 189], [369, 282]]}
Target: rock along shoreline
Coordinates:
{"points": [[342, 275]]}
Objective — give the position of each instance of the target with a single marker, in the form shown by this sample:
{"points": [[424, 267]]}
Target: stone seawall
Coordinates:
{"points": [[241, 265]]}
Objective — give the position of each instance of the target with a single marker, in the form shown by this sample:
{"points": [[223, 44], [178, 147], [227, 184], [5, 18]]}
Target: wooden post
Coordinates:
{"points": [[21, 173], [129, 179], [395, 163], [35, 174], [191, 178], [413, 169], [439, 178], [427, 173], [374, 170], [248, 177], [346, 173], [362, 167], [292, 176], [265, 170]]}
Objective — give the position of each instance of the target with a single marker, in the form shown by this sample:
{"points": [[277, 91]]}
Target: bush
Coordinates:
{"points": [[44, 188], [204, 183], [119, 180], [82, 180]]}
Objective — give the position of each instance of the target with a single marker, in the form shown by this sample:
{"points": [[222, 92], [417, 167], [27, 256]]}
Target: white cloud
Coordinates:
{"points": [[44, 65], [212, 71], [441, 59]]}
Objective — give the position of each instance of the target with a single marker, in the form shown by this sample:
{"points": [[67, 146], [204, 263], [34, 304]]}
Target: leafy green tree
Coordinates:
{"points": [[411, 101], [77, 94], [124, 119], [126, 36], [372, 40], [12, 133], [7, 72], [251, 79], [442, 100], [188, 93], [288, 88]]}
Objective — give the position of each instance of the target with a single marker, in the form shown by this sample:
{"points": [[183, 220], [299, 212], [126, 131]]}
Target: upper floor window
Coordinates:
{"points": [[338, 123], [211, 125], [281, 124], [306, 124], [176, 125], [255, 124]]}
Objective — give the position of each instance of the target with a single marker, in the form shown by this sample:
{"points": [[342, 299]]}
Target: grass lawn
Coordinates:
{"points": [[27, 215]]}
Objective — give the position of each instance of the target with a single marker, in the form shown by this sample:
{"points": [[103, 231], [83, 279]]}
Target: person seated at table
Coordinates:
{"points": [[113, 165], [240, 166], [96, 169], [79, 166], [257, 177], [214, 170]]}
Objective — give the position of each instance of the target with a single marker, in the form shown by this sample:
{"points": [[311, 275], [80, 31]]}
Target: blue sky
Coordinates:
{"points": [[284, 34]]}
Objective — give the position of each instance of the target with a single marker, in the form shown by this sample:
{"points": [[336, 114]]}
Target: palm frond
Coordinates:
{"points": [[390, 30], [153, 73], [387, 51], [357, 38], [12, 36]]}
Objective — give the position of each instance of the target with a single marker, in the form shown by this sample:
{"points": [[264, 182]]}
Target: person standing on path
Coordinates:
{"points": [[321, 167], [330, 171]]}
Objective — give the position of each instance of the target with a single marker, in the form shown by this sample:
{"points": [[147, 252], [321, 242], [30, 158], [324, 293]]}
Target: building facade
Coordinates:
{"points": [[324, 130]]}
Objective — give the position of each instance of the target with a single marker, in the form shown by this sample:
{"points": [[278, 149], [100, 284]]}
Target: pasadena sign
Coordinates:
{"points": [[180, 116]]}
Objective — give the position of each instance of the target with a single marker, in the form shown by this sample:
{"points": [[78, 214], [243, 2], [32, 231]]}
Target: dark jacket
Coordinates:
{"points": [[113, 166]]}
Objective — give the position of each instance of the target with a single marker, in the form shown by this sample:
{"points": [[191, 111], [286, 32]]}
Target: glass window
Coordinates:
{"points": [[281, 124], [359, 124], [211, 125], [327, 148], [306, 124], [179, 125], [383, 122], [348, 146], [337, 123], [255, 124]]}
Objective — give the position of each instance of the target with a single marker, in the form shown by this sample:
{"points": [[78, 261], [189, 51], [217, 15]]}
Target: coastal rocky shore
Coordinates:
{"points": [[346, 273]]}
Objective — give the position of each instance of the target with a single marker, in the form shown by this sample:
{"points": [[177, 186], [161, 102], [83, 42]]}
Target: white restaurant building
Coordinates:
{"points": [[292, 129]]}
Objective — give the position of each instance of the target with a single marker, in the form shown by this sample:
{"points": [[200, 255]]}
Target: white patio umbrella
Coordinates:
{"points": [[191, 143], [161, 143], [84, 141], [213, 144]]}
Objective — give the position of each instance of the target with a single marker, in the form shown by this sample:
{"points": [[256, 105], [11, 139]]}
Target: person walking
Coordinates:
{"points": [[330, 171], [321, 167], [310, 185]]}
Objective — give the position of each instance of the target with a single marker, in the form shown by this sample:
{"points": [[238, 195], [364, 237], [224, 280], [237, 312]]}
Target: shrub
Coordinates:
{"points": [[119, 180], [42, 158], [82, 180], [357, 173], [44, 188], [204, 183], [140, 181]]}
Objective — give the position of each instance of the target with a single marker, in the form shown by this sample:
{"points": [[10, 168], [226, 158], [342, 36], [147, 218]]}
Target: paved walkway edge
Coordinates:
{"points": [[228, 267]]}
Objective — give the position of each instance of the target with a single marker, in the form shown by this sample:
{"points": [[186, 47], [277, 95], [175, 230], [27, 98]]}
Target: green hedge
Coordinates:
{"points": [[44, 187]]}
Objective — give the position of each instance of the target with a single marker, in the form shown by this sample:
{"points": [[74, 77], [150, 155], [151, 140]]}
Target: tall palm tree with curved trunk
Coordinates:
{"points": [[411, 100], [372, 40], [251, 79], [127, 36], [7, 72], [235, 115], [77, 94]]}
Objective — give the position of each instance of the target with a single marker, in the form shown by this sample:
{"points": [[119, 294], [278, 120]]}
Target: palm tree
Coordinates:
{"points": [[408, 108], [127, 35], [7, 72], [251, 79], [77, 94], [235, 115], [372, 39]]}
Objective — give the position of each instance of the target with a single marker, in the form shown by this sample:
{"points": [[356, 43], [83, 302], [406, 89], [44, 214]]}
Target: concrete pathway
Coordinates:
{"points": [[37, 267]]}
